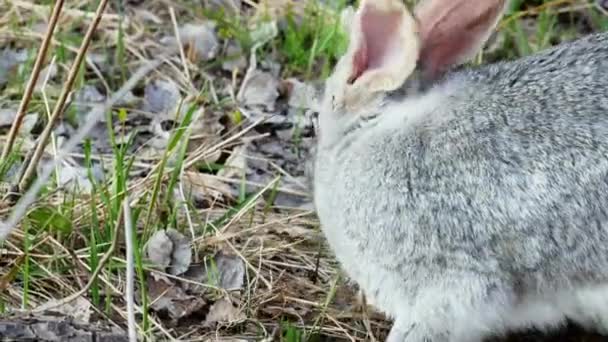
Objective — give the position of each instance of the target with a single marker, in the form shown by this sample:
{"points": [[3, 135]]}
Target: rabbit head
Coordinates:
{"points": [[388, 45]]}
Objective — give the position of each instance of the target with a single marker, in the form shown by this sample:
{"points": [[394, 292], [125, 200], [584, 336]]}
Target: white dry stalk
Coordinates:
{"points": [[91, 120], [181, 182], [179, 44], [129, 296], [48, 114], [253, 64], [185, 203]]}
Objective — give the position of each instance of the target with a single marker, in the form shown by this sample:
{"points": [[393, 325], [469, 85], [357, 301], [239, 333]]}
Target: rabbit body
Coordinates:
{"points": [[480, 204]]}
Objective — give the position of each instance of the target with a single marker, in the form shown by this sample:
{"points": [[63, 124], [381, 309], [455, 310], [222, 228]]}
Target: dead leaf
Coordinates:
{"points": [[10, 177], [222, 270], [231, 269], [260, 89], [296, 231], [235, 59], [148, 16], [236, 165], [79, 309], [304, 95], [75, 177], [161, 97], [296, 311], [86, 99], [277, 9], [7, 115], [263, 32], [205, 187], [229, 6], [182, 253], [29, 121], [170, 249], [161, 133], [159, 249], [71, 176], [9, 61], [46, 74], [223, 312], [167, 297], [87, 94], [101, 60], [201, 39], [293, 192], [129, 99], [205, 129]]}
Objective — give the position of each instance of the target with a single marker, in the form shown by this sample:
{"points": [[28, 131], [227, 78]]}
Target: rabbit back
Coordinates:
{"points": [[500, 170]]}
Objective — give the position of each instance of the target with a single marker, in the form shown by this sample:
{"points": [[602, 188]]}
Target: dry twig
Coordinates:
{"points": [[59, 107], [29, 90]]}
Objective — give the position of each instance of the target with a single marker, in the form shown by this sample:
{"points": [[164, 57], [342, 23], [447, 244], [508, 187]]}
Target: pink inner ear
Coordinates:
{"points": [[378, 29], [453, 32], [360, 61]]}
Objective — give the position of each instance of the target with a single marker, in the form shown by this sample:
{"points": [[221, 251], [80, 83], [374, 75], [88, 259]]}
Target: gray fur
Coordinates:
{"points": [[489, 200]]}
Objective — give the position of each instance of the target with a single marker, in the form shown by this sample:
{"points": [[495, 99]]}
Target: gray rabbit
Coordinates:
{"points": [[466, 201]]}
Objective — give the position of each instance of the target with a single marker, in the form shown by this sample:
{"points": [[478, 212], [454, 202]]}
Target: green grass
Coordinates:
{"points": [[544, 27], [318, 41]]}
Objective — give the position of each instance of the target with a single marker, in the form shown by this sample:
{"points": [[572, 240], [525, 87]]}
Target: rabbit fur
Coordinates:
{"points": [[470, 202]]}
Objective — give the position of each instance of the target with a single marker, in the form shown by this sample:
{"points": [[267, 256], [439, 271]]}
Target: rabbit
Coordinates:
{"points": [[465, 201]]}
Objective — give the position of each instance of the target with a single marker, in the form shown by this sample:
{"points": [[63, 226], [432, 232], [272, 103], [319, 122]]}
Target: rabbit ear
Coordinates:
{"points": [[383, 48], [453, 31]]}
